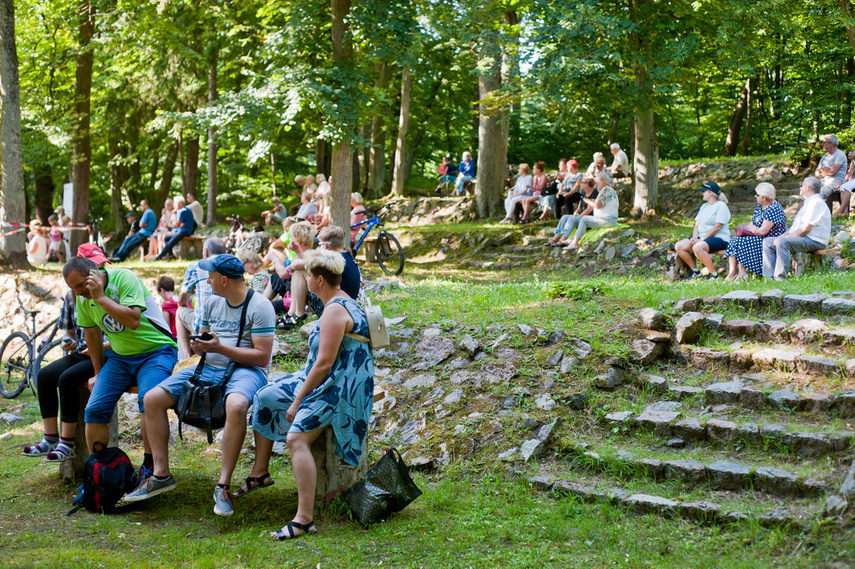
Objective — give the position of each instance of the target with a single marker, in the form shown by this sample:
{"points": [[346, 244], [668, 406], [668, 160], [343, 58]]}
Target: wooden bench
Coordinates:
{"points": [[191, 247]]}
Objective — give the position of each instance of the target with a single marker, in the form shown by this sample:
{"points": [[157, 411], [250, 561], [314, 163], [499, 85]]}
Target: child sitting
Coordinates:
{"points": [[166, 290], [252, 264]]}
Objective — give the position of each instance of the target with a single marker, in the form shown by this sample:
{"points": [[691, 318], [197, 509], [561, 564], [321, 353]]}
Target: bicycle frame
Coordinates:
{"points": [[370, 224]]}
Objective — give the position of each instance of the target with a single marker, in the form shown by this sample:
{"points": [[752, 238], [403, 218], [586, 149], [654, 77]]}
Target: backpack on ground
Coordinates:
{"points": [[107, 476]]}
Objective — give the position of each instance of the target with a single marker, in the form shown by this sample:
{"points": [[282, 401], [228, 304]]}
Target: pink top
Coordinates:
{"points": [[55, 235], [357, 215]]}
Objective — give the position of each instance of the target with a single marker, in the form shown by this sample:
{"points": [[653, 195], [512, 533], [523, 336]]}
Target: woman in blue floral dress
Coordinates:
{"points": [[745, 249], [335, 389]]}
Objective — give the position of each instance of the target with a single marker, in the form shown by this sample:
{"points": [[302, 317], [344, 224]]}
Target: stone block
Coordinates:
{"points": [[725, 475], [783, 400], [745, 329], [849, 368], [774, 331], [421, 380], [657, 384], [684, 391], [714, 321], [621, 417], [815, 403], [720, 431], [609, 380], [573, 488], [812, 487], [712, 300], [470, 345], [839, 306], [778, 517], [690, 430], [771, 358], [807, 330], [700, 510], [689, 327], [749, 432], [773, 431], [772, 299], [646, 503], [724, 392], [776, 481], [690, 471], [812, 365], [740, 360], [531, 449], [657, 422], [839, 337], [644, 352], [752, 397], [709, 359], [804, 302], [745, 298], [658, 337], [664, 406], [688, 304], [653, 319], [652, 467], [542, 482], [612, 495], [844, 404], [808, 444]]}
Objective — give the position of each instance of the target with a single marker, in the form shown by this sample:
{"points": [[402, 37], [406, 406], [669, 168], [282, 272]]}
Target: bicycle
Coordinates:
{"points": [[387, 250], [95, 236], [21, 359]]}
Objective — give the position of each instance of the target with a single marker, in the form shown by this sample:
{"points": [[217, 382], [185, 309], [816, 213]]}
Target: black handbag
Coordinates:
{"points": [[387, 489], [550, 190], [204, 406]]}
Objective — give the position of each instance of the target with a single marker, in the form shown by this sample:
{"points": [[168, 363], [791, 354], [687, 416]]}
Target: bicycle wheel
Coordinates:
{"points": [[15, 357], [390, 255], [47, 355]]}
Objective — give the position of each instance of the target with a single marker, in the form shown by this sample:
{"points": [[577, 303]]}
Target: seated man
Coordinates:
{"points": [[620, 164], [195, 286], [138, 233], [810, 231], [184, 226], [831, 170], [251, 351], [142, 350]]}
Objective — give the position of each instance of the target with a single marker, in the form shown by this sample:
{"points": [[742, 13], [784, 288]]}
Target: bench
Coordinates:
{"points": [[191, 247]]}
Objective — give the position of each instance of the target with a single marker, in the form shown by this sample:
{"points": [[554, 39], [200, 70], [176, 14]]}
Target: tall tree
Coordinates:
{"points": [[342, 161], [81, 154], [489, 188], [403, 128], [12, 200]]}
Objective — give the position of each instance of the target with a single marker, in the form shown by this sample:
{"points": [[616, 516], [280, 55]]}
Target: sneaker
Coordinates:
{"points": [[151, 487], [694, 274], [141, 474], [40, 449], [223, 501], [712, 276]]}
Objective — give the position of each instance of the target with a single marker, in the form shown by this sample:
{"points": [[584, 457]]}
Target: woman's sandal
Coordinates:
{"points": [[281, 535], [259, 482]]}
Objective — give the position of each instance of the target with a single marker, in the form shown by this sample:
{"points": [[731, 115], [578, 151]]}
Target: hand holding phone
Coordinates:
{"points": [[204, 336]]}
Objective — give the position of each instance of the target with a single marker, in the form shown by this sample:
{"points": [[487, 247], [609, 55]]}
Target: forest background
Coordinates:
{"points": [[134, 99]]}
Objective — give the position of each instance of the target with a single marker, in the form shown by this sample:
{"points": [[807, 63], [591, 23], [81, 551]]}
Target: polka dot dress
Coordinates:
{"points": [[748, 250]]}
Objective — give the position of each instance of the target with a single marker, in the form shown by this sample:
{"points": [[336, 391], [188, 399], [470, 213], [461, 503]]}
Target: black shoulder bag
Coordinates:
{"points": [[204, 406]]}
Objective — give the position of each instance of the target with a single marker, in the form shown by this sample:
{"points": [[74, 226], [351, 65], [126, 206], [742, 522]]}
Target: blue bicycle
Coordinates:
{"points": [[387, 251]]}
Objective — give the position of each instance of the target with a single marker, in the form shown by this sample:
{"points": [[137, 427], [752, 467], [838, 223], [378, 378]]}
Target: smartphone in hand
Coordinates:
{"points": [[203, 336]]}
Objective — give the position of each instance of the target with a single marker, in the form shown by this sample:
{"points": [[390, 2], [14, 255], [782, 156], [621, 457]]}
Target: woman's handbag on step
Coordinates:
{"points": [[386, 489]]}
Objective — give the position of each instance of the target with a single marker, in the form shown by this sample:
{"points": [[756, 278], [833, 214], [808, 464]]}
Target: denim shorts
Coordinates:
{"points": [[716, 244], [244, 381]]}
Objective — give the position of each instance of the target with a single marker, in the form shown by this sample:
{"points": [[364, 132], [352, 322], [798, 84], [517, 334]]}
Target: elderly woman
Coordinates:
{"points": [[569, 222], [711, 232], [335, 388], [275, 215], [746, 248], [605, 212], [465, 174], [520, 191]]}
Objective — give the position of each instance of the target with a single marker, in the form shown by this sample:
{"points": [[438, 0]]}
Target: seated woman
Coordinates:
{"points": [[275, 215], [290, 279], [569, 222], [447, 171], [538, 184], [711, 232], [518, 193], [156, 241], [307, 208], [38, 245], [358, 214], [335, 388], [605, 212], [322, 218], [746, 247]]}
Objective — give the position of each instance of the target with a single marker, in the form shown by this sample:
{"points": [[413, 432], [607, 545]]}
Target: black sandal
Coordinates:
{"points": [[259, 482], [290, 321], [280, 535]]}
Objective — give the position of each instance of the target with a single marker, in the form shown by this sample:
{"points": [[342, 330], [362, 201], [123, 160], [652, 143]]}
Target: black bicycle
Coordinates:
{"points": [[387, 251], [22, 356]]}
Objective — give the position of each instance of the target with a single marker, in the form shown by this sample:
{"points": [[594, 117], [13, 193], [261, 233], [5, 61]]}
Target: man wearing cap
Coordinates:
{"points": [[810, 231], [142, 349], [194, 286], [184, 226], [831, 170], [139, 233], [252, 352]]}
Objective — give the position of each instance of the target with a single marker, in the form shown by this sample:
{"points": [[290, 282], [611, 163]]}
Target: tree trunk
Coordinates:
{"points": [[342, 161], [488, 195], [403, 126], [749, 103], [646, 161], [81, 152], [363, 159], [212, 139], [44, 190], [613, 128], [320, 157], [736, 122], [377, 151], [476, 122], [12, 200], [116, 181], [850, 29], [190, 176], [847, 96], [411, 153], [165, 187], [510, 76]]}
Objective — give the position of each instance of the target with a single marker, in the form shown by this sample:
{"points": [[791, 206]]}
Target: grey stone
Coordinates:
{"points": [[847, 489], [567, 364], [542, 482], [431, 332], [461, 377], [610, 253], [498, 372], [684, 391], [545, 431], [531, 449], [421, 380], [700, 510], [556, 337], [844, 404], [526, 329], [432, 351], [741, 328], [745, 298], [726, 392], [783, 399], [777, 517], [506, 354], [555, 359], [645, 352], [688, 304], [772, 299], [627, 251], [808, 444], [653, 319], [454, 397], [835, 505], [776, 481], [689, 327], [511, 402], [657, 384], [817, 366], [9, 418], [620, 417], [650, 504], [840, 306], [774, 331], [725, 475], [752, 397], [675, 443], [609, 380], [772, 431], [657, 422], [709, 359], [807, 330], [470, 345], [508, 454], [624, 455], [410, 433], [749, 432], [664, 406], [686, 470], [545, 401], [815, 403], [499, 340], [804, 302], [457, 363], [813, 487], [690, 429], [613, 495], [577, 401], [839, 336], [394, 350], [714, 321], [582, 348], [651, 466], [771, 358], [720, 431], [576, 489]]}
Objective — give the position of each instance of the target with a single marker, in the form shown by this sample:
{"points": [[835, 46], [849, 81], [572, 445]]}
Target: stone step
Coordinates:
{"points": [[664, 419], [804, 332], [778, 357], [836, 303], [699, 511]]}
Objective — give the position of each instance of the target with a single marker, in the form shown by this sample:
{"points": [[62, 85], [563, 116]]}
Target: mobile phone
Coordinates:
{"points": [[203, 336]]}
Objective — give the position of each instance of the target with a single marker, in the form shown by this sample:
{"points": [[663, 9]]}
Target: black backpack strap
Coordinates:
{"points": [[194, 379], [230, 369], [208, 427]]}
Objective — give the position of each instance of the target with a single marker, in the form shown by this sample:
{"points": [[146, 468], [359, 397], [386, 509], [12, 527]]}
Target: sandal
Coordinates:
{"points": [[260, 482], [289, 321], [281, 535]]}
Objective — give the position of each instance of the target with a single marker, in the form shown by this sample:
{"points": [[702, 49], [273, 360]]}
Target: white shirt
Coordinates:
{"points": [[709, 215], [815, 213], [622, 161], [522, 183]]}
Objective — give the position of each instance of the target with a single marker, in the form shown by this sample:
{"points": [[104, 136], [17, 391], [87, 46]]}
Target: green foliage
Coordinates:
{"points": [[576, 290]]}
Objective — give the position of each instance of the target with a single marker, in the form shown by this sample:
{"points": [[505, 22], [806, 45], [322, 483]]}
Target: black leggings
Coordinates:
{"points": [[65, 375]]}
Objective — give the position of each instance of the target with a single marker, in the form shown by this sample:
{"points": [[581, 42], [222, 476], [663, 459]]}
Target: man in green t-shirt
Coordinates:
{"points": [[141, 352]]}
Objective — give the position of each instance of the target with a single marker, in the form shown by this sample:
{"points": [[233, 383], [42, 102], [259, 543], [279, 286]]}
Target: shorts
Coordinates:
{"points": [[186, 316], [279, 285], [122, 372], [716, 244], [447, 179], [244, 381]]}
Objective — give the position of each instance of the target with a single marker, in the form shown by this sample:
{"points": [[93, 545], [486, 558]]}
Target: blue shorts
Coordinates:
{"points": [[245, 380], [122, 372], [716, 244]]}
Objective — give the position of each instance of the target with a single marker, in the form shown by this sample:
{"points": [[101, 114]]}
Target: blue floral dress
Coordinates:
{"points": [[343, 401], [748, 250]]}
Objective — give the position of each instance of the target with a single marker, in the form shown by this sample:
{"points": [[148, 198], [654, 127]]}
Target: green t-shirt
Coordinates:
{"points": [[125, 288]]}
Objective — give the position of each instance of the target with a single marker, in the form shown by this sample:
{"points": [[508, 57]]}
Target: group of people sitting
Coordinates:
{"points": [[314, 193], [118, 336], [765, 245], [48, 244], [563, 191], [457, 175]]}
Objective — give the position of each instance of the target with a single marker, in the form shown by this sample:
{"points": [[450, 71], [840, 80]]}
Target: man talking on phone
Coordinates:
{"points": [[249, 344]]}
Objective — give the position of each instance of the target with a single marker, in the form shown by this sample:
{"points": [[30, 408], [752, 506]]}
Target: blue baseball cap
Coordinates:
{"points": [[130, 214], [710, 186], [227, 265]]}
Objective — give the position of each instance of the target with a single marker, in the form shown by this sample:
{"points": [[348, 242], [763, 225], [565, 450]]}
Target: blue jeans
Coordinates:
{"points": [[460, 182], [172, 242], [130, 243]]}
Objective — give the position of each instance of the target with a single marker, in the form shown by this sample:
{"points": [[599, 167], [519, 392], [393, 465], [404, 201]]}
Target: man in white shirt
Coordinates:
{"points": [[620, 165], [831, 170], [196, 208], [810, 231]]}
